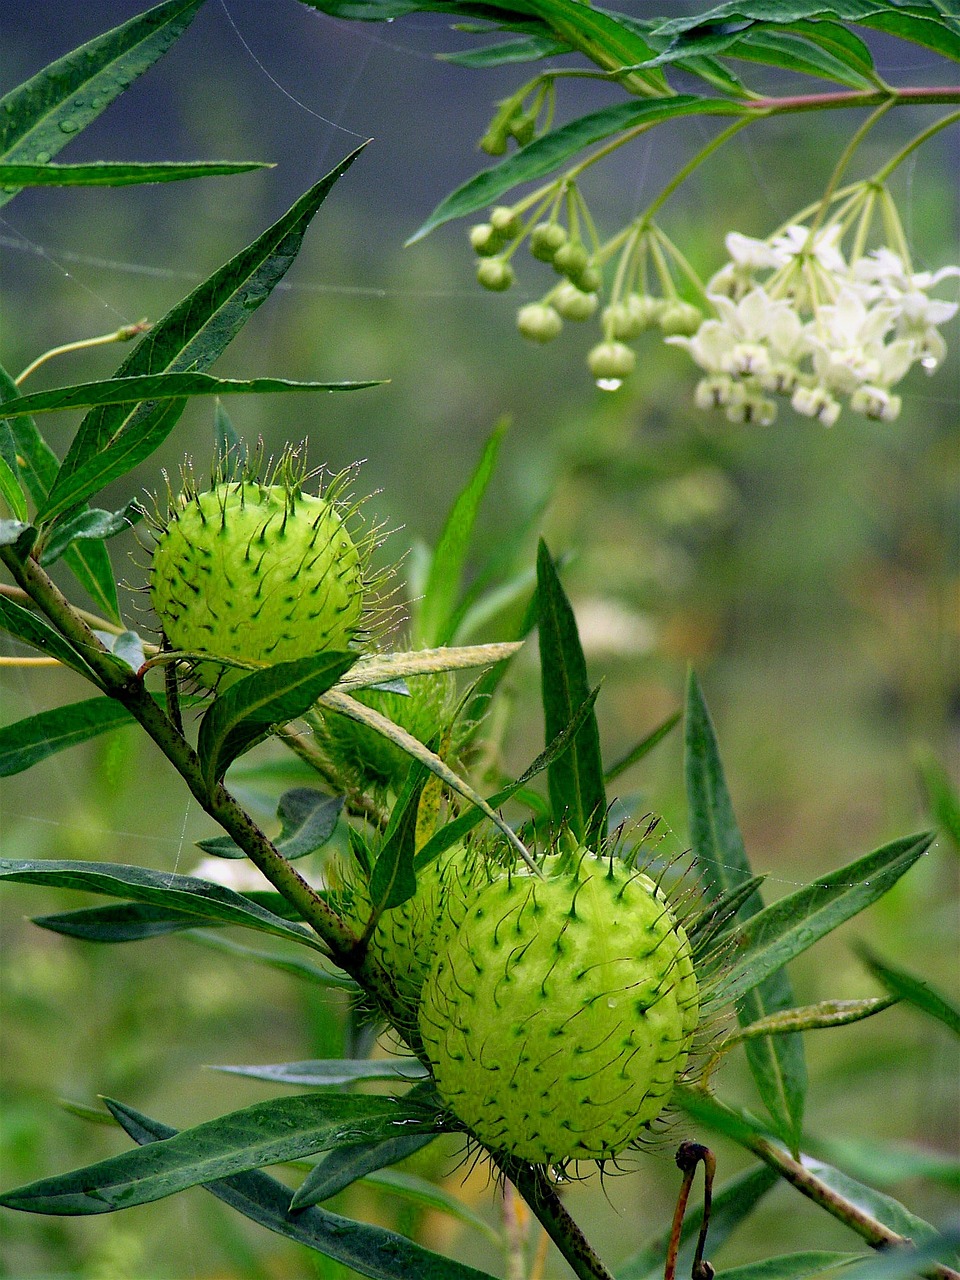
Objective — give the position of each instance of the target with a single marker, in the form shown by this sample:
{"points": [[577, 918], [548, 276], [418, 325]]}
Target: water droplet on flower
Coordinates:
{"points": [[928, 362], [609, 384]]}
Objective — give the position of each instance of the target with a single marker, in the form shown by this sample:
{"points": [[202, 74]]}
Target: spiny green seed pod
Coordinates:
{"points": [[539, 322], [505, 221], [572, 303], [495, 274], [369, 759], [681, 318], [486, 240], [560, 1013], [610, 361], [259, 572], [546, 238]]}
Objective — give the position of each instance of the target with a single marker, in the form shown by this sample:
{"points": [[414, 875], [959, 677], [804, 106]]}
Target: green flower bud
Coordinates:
{"points": [[523, 127], [589, 280], [546, 238], [495, 274], [539, 322], [611, 361], [485, 239], [572, 303], [571, 259], [680, 318], [494, 142], [506, 222]]}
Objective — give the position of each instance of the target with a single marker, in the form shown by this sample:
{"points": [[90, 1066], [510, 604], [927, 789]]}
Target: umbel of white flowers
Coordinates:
{"points": [[796, 319]]}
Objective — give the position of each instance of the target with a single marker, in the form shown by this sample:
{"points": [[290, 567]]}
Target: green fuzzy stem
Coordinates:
{"points": [[546, 1205]]}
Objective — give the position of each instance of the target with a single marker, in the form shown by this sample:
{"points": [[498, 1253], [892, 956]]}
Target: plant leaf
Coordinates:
{"points": [[29, 741], [39, 117], [205, 901], [427, 1195], [372, 1251], [718, 916], [879, 1205], [643, 747], [575, 778], [792, 1266], [381, 668], [782, 931], [107, 173], [319, 1073], [732, 1204], [89, 523], [778, 1065], [123, 922], [231, 452], [258, 703], [886, 1163], [437, 608], [35, 631], [292, 965], [112, 439], [10, 490], [307, 821], [911, 989], [942, 795], [161, 386], [508, 52], [393, 880], [38, 466], [788, 49], [553, 149], [266, 1133], [812, 1017], [733, 1122]]}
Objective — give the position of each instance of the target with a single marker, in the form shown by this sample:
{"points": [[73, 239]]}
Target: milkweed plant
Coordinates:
{"points": [[543, 983]]}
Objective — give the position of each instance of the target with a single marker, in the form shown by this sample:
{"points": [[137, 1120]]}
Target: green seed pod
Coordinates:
{"points": [[560, 1013], [571, 259], [681, 318], [365, 756], [572, 303], [611, 361], [485, 239], [259, 572], [546, 238], [505, 222], [495, 274], [539, 322]]}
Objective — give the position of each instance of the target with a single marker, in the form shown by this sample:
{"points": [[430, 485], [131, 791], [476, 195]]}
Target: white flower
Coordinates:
{"points": [[847, 341], [876, 403], [816, 402], [821, 246]]}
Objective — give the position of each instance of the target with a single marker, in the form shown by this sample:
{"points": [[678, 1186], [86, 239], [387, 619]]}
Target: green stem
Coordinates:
{"points": [[124, 334], [882, 174], [840, 167], [681, 176], [546, 1205], [864, 1224]]}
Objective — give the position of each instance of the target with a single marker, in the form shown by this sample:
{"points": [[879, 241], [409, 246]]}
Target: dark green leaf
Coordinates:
{"points": [[257, 704], [553, 149], [266, 1133], [575, 779], [427, 1195], [604, 37], [908, 987], [643, 747], [160, 386], [10, 489], [790, 51], [35, 631], [778, 1065], [105, 173], [717, 917], [733, 1122], [508, 52], [732, 1203], [370, 1250], [307, 820], [782, 931], [393, 880], [436, 609], [335, 1071], [880, 1206], [291, 965], [40, 116], [38, 466], [113, 438], [884, 1164], [206, 902], [25, 743], [124, 922], [88, 523], [907, 1263], [942, 795], [791, 1266]]}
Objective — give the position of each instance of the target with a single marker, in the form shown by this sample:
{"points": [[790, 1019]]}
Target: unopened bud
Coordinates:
{"points": [[680, 318], [546, 238], [610, 361], [571, 259], [572, 303], [485, 239], [495, 274], [539, 322], [523, 127], [505, 222]]}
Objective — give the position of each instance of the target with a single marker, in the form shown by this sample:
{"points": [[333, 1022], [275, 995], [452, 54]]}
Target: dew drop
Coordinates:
{"points": [[609, 384], [42, 157], [69, 125], [929, 363], [611, 1003]]}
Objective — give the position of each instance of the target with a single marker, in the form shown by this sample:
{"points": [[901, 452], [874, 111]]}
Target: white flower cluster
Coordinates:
{"points": [[796, 319]]}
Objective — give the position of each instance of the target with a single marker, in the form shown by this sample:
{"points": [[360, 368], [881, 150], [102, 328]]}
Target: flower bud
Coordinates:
{"points": [[571, 259], [876, 403], [680, 318], [506, 222], [572, 303], [494, 274], [816, 402], [485, 239], [523, 127], [494, 142], [589, 280], [546, 238], [611, 361], [715, 392], [539, 322]]}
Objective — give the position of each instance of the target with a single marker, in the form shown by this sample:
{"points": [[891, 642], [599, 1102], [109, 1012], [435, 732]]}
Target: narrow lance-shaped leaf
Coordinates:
{"points": [[206, 902], [37, 467], [778, 1065], [10, 489], [643, 747], [508, 52], [230, 450], [86, 524], [393, 880], [266, 1133], [256, 704], [436, 609], [112, 439], [575, 779], [39, 117], [812, 1017], [31, 629], [792, 1266], [549, 152], [908, 987], [782, 931], [307, 821], [372, 1251], [320, 1073], [105, 173], [29, 741]]}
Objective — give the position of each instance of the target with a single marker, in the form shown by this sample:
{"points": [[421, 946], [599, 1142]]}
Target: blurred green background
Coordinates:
{"points": [[812, 577]]}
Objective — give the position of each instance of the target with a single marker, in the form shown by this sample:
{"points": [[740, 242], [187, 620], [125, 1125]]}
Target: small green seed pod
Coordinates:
{"points": [[572, 303], [539, 322], [546, 238], [495, 274]]}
